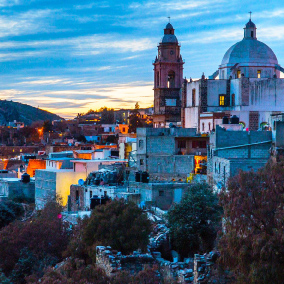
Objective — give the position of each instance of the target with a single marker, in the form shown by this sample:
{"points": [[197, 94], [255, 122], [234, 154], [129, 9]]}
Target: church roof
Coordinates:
{"points": [[168, 38], [250, 24], [249, 50], [169, 26]]}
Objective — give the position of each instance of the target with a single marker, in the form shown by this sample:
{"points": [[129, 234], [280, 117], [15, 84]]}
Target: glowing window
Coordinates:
{"points": [[239, 74], [258, 73], [221, 100]]}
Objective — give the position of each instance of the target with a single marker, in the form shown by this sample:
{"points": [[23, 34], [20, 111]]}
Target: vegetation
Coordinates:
{"points": [[10, 111], [134, 119], [194, 222], [121, 225], [252, 243], [9, 211], [28, 247]]}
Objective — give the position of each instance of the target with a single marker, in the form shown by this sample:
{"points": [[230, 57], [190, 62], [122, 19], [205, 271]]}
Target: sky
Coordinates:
{"points": [[68, 56]]}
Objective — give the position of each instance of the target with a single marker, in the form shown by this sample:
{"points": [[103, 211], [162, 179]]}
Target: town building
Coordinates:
{"points": [[247, 84], [171, 153], [168, 79], [230, 151]]}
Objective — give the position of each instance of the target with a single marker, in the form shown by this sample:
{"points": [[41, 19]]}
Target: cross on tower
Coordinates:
{"points": [[250, 15], [169, 19]]}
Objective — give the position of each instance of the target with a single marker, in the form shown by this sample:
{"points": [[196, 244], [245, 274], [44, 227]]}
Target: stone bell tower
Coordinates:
{"points": [[168, 79]]}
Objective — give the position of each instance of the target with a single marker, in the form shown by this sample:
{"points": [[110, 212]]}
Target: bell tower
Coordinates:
{"points": [[168, 79]]}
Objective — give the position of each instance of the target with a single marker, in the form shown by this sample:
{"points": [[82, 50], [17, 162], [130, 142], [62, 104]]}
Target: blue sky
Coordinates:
{"points": [[68, 56]]}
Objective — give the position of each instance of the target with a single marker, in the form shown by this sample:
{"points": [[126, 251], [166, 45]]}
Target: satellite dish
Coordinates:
{"points": [[80, 181]]}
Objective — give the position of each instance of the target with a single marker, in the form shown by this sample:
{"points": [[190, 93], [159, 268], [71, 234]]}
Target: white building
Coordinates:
{"points": [[249, 86]]}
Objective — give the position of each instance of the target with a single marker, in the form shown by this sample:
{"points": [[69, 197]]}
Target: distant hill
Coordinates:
{"points": [[10, 111]]}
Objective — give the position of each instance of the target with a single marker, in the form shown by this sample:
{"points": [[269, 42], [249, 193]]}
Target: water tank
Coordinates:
{"points": [[225, 120], [138, 176], [145, 177], [95, 201], [25, 178], [234, 120]]}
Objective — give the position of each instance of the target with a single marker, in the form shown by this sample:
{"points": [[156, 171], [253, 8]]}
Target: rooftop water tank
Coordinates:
{"points": [[234, 120], [25, 178]]}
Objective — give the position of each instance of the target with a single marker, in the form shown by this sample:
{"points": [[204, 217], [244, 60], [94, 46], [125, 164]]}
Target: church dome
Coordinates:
{"points": [[169, 39], [169, 26], [249, 50]]}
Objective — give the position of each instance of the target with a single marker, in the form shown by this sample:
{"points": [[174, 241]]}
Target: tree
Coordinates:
{"points": [[193, 223], [30, 246], [47, 126], [107, 115], [123, 226], [134, 119], [9, 211], [252, 243]]}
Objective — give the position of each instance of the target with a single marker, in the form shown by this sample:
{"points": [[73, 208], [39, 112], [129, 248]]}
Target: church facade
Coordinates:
{"points": [[249, 87]]}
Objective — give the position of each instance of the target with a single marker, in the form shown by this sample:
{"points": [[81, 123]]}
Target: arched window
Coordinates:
{"points": [[251, 33], [171, 79], [203, 126], [233, 102], [193, 97], [239, 74], [209, 126], [158, 79]]}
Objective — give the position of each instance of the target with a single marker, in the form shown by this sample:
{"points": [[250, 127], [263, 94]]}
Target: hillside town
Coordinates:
{"points": [[153, 195]]}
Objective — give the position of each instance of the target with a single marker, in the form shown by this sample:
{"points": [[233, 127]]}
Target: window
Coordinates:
{"points": [[193, 97], [77, 195], [181, 144], [239, 74], [161, 193], [199, 144], [123, 129], [141, 162], [209, 126], [219, 168], [233, 100], [215, 167], [251, 33], [158, 79], [258, 74], [171, 79], [223, 74], [91, 194], [221, 100], [203, 126], [141, 144]]}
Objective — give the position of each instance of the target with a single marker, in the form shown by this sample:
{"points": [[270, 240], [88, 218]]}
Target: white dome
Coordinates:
{"points": [[249, 51]]}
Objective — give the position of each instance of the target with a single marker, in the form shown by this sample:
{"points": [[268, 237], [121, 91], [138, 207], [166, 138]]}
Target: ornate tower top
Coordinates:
{"points": [[169, 34], [250, 29]]}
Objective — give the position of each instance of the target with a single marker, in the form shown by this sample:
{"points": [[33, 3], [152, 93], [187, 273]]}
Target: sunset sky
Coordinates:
{"points": [[71, 56]]}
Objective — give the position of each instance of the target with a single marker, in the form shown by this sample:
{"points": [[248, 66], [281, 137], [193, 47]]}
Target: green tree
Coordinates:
{"points": [[252, 244], [123, 226], [9, 211], [47, 126], [32, 245], [194, 222], [107, 115], [134, 119]]}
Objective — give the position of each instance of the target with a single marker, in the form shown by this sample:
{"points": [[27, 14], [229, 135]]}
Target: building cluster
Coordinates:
{"points": [[204, 130]]}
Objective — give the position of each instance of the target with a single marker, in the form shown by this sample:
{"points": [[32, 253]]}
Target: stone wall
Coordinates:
{"points": [[112, 261]]}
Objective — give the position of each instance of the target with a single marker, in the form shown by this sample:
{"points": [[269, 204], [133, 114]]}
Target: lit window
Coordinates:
{"points": [[221, 100], [239, 74], [258, 73]]}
